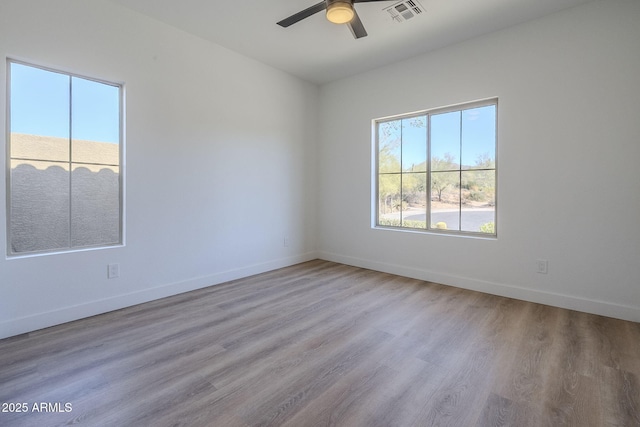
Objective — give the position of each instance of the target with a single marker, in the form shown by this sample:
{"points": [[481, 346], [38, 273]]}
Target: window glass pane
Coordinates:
{"points": [[414, 144], [96, 118], [39, 217], [414, 200], [479, 137], [95, 206], [445, 141], [389, 141], [389, 192], [445, 200], [478, 220], [39, 114], [478, 201]]}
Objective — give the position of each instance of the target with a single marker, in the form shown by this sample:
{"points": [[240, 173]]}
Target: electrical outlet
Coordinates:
{"points": [[113, 271], [543, 266], [285, 241]]}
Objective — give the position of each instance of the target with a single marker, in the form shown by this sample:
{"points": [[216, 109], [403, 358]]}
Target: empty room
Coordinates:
{"points": [[320, 213]]}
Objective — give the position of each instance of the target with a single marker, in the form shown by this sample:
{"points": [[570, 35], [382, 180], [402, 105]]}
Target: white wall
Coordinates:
{"points": [[220, 162], [568, 157]]}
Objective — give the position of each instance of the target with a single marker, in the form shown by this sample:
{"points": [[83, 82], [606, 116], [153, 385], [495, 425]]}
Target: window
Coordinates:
{"points": [[436, 170], [64, 151]]}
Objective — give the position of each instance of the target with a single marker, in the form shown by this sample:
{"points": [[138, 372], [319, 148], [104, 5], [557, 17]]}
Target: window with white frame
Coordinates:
{"points": [[436, 170], [64, 161]]}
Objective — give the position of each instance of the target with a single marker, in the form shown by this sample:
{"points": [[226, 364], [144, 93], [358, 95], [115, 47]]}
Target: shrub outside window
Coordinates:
{"points": [[436, 170], [65, 156]]}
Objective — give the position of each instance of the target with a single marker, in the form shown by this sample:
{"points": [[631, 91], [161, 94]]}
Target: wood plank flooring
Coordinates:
{"points": [[324, 344]]}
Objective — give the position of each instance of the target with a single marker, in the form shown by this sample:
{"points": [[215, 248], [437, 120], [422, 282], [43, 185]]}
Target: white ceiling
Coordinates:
{"points": [[319, 51]]}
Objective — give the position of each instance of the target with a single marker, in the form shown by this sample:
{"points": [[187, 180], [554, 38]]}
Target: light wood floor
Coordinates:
{"points": [[321, 344]]}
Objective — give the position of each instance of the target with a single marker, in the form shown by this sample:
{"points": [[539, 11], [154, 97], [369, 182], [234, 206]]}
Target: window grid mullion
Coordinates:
{"points": [[401, 173], [70, 160], [460, 179], [428, 142]]}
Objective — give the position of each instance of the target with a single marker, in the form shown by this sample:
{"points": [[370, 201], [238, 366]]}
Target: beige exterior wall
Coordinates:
{"points": [[48, 210]]}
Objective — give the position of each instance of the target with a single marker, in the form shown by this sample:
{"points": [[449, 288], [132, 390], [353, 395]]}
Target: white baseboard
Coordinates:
{"points": [[603, 308], [67, 314]]}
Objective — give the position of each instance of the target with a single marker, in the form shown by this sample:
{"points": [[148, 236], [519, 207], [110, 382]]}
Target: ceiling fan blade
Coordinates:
{"points": [[303, 14], [356, 27], [367, 1]]}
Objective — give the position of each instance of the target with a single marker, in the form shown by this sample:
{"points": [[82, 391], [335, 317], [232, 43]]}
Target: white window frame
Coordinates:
{"points": [[121, 166], [375, 205]]}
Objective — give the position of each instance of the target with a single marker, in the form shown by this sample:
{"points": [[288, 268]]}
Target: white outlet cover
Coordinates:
{"points": [[113, 271], [543, 266]]}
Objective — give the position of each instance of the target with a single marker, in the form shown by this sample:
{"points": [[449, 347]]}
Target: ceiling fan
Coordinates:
{"points": [[338, 12]]}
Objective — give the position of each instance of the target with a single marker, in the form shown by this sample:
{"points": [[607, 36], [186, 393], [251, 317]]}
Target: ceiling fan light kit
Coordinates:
{"points": [[339, 12]]}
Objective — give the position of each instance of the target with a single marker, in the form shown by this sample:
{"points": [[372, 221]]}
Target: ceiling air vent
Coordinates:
{"points": [[405, 10]]}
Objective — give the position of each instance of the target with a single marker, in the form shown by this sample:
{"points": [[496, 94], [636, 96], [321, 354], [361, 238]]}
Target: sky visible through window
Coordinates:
{"points": [[40, 101]]}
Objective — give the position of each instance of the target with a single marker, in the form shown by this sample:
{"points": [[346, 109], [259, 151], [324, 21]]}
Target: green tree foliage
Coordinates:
{"points": [[442, 177]]}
